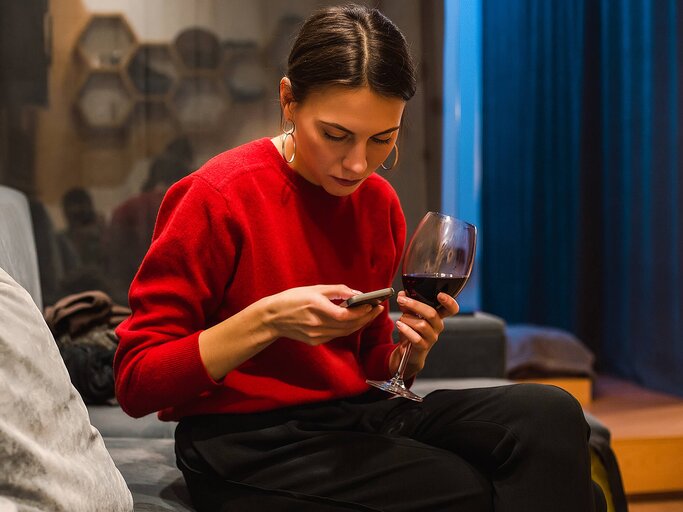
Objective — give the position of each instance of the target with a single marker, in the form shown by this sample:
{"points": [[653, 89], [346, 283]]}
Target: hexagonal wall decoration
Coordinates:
{"points": [[244, 71], [106, 41], [103, 102], [198, 49], [200, 103], [153, 70]]}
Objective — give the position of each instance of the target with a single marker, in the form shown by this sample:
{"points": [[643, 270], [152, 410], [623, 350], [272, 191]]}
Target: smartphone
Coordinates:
{"points": [[374, 298]]}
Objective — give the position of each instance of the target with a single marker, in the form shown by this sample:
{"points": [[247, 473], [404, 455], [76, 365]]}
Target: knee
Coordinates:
{"points": [[550, 407]]}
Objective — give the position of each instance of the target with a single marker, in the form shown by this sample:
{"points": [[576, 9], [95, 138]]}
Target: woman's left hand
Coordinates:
{"points": [[420, 325]]}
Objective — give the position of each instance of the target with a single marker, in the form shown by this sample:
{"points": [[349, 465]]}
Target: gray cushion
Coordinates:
{"points": [[148, 465], [471, 345], [111, 421], [17, 246]]}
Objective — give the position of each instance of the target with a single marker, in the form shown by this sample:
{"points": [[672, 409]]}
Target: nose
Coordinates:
{"points": [[356, 160]]}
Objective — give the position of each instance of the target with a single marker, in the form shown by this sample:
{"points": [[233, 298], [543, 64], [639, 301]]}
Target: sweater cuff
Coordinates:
{"points": [[180, 362], [176, 375]]}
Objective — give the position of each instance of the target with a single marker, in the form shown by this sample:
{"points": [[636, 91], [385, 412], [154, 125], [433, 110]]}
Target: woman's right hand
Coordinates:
{"points": [[304, 314], [307, 314]]}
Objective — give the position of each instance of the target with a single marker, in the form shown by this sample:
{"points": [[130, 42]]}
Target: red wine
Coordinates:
{"points": [[425, 287]]}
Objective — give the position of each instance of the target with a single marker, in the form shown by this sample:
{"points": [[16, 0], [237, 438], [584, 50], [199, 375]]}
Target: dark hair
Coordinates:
{"points": [[352, 46], [165, 171], [180, 149], [78, 207], [76, 196]]}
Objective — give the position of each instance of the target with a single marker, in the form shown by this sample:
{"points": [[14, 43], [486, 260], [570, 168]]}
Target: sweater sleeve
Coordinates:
{"points": [[179, 284], [376, 340]]}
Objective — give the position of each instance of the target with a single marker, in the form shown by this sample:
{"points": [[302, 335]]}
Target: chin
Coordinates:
{"points": [[337, 190]]}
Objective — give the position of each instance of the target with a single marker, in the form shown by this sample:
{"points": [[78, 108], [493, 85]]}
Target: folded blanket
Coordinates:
{"points": [[75, 314], [83, 325], [89, 358]]}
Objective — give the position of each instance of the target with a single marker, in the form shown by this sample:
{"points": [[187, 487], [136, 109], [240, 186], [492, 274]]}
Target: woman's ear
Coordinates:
{"points": [[286, 98]]}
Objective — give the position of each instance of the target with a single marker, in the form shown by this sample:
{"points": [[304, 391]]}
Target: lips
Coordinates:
{"points": [[346, 183]]}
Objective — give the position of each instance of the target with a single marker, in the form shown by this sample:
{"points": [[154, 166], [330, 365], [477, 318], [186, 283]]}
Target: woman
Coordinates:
{"points": [[237, 332]]}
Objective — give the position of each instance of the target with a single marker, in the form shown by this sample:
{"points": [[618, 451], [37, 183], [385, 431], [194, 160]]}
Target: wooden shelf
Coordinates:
{"points": [[200, 103], [198, 49], [103, 102], [189, 83], [106, 41], [153, 71], [647, 434], [244, 71]]}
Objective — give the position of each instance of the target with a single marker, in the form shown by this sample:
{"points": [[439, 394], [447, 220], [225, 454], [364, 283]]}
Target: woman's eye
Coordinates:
{"points": [[381, 141], [334, 137]]}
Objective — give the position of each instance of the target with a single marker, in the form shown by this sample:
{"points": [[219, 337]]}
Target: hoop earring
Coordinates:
{"points": [[395, 160], [288, 132]]}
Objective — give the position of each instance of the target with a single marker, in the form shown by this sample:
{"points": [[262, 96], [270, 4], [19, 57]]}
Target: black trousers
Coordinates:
{"points": [[517, 448]]}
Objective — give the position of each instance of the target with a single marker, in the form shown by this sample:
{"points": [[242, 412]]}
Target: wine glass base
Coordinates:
{"points": [[395, 388]]}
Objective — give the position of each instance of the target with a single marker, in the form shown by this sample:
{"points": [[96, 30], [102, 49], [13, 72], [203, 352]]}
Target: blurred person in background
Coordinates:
{"points": [[132, 222], [81, 244]]}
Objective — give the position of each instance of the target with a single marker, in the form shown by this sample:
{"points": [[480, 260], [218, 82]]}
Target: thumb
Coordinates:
{"points": [[403, 309]]}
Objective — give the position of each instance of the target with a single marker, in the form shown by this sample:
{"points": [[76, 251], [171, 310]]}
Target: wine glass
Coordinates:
{"points": [[439, 258]]}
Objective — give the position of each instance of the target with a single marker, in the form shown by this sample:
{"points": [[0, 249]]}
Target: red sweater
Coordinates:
{"points": [[243, 227]]}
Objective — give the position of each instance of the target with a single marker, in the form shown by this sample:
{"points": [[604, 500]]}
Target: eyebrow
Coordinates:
{"points": [[340, 127]]}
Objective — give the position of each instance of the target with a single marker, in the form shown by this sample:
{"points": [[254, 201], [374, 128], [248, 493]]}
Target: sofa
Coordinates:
{"points": [[471, 353]]}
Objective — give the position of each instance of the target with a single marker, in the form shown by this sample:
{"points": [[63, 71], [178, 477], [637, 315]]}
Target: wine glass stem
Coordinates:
{"points": [[404, 362]]}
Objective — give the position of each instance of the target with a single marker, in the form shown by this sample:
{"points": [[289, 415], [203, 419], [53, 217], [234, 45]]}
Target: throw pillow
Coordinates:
{"points": [[51, 457], [534, 352]]}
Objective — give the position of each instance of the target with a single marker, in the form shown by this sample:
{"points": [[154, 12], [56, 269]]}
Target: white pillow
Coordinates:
{"points": [[51, 457]]}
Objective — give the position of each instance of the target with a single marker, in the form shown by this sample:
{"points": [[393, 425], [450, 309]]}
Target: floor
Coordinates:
{"points": [[632, 414], [657, 503]]}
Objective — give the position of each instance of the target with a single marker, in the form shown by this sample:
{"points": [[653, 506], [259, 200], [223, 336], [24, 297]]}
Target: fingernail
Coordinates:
{"points": [[402, 300], [443, 297], [399, 323], [356, 292]]}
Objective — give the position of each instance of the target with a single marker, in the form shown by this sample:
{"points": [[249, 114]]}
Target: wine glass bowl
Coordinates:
{"points": [[439, 258], [425, 287]]}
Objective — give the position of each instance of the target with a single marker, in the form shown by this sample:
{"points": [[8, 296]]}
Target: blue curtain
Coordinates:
{"points": [[581, 213], [532, 76], [643, 245]]}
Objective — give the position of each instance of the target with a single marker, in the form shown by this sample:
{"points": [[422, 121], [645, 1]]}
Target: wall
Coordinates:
{"points": [[112, 167]]}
